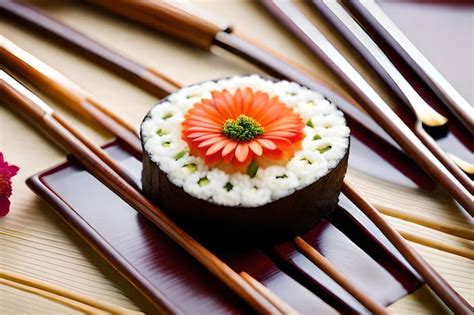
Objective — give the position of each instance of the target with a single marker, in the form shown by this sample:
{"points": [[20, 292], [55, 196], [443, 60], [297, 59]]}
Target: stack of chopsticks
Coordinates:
{"points": [[93, 157], [460, 185]]}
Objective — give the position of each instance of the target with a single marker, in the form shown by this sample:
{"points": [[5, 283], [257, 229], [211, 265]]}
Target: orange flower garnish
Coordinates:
{"points": [[241, 128]]}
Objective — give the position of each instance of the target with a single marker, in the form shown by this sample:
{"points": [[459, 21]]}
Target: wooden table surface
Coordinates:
{"points": [[36, 243]]}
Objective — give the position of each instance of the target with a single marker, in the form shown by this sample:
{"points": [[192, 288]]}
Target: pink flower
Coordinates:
{"points": [[6, 173]]}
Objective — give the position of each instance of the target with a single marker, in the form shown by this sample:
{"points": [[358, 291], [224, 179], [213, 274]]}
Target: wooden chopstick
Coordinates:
{"points": [[60, 294], [66, 91], [281, 305], [147, 78], [444, 291], [325, 265], [43, 117], [433, 243], [444, 227]]}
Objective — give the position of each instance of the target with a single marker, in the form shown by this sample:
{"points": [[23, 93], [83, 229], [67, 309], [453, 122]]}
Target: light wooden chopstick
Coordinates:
{"points": [[62, 295], [66, 91], [40, 114], [441, 226]]}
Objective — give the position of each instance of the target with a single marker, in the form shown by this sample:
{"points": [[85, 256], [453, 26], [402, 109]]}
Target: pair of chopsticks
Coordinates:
{"points": [[97, 162], [417, 143], [350, 29], [437, 82], [35, 74], [73, 300], [35, 70]]}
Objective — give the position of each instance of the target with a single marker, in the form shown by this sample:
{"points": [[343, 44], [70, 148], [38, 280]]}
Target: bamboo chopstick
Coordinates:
{"points": [[325, 265], [433, 243], [66, 91], [43, 116], [444, 227], [60, 294], [444, 291]]}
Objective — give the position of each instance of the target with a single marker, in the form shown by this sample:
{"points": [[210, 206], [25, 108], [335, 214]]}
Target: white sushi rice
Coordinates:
{"points": [[325, 126]]}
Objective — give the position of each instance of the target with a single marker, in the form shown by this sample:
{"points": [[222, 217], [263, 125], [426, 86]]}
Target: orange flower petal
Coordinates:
{"points": [[267, 144], [203, 129], [247, 101], [217, 147], [202, 118], [259, 103], [229, 157], [230, 147], [241, 152], [212, 159], [256, 147], [221, 104], [209, 142], [196, 135], [238, 102], [282, 134], [205, 137], [210, 106], [197, 123]]}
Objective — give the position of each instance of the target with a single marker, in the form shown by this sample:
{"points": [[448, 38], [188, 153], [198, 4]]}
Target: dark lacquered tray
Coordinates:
{"points": [[167, 275]]}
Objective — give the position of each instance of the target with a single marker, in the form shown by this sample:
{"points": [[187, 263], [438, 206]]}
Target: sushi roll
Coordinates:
{"points": [[245, 154]]}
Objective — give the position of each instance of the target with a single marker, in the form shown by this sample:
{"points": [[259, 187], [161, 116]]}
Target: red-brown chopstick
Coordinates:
{"points": [[66, 91], [325, 265], [43, 117], [442, 289]]}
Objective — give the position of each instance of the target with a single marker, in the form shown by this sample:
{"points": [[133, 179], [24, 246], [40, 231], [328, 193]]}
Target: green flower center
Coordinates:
{"points": [[244, 128]]}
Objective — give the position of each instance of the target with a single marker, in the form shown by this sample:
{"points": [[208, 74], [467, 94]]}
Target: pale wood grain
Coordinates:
{"points": [[32, 232]]}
